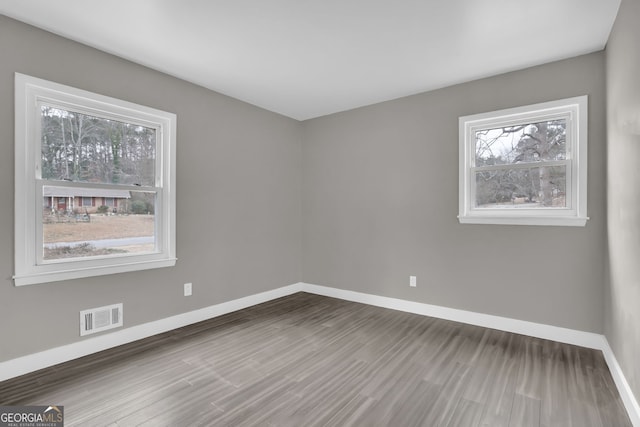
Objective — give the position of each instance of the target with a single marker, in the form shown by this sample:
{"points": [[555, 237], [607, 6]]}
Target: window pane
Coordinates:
{"points": [[538, 187], [71, 230], [532, 142], [83, 148]]}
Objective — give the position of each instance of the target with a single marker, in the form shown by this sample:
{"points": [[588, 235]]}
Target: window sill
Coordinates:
{"points": [[525, 220], [77, 273]]}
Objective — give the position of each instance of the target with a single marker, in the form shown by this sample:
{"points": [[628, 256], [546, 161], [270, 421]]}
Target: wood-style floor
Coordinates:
{"points": [[307, 360]]}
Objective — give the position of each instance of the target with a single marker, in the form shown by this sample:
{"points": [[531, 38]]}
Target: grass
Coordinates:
{"points": [[80, 250], [72, 238], [101, 227]]}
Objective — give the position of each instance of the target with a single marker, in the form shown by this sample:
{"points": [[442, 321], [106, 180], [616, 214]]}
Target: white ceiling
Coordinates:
{"points": [[306, 59]]}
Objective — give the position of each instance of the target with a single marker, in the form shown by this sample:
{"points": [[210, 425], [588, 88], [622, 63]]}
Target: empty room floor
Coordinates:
{"points": [[307, 360]]}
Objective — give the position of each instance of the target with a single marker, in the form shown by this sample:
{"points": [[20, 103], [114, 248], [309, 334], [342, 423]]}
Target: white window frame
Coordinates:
{"points": [[30, 93], [575, 213]]}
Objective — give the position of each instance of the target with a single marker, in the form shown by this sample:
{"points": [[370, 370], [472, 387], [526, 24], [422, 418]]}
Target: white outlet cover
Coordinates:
{"points": [[413, 281], [188, 288]]}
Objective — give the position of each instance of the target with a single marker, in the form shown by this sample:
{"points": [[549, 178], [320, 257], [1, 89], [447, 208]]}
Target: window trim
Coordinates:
{"points": [[29, 92], [576, 111]]}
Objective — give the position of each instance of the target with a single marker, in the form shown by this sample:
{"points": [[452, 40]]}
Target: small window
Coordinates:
{"points": [[73, 147], [525, 165]]}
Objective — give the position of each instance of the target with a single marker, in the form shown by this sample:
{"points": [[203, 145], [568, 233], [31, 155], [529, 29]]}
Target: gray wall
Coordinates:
{"points": [[380, 199], [622, 315], [238, 184]]}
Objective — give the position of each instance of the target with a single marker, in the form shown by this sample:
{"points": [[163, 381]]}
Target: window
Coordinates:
{"points": [[72, 147], [525, 165]]}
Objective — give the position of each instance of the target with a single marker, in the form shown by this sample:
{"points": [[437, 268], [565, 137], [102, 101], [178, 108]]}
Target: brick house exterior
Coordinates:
{"points": [[84, 199]]}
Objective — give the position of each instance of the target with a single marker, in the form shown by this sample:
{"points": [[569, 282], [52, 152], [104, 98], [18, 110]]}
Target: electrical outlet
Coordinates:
{"points": [[413, 281], [188, 288]]}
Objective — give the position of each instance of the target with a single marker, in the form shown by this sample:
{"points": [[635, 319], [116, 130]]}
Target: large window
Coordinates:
{"points": [[73, 147], [525, 165]]}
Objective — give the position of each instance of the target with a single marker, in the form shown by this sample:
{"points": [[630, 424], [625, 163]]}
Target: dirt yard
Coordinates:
{"points": [[100, 227]]}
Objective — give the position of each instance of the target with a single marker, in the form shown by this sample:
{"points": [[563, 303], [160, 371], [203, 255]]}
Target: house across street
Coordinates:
{"points": [[84, 199]]}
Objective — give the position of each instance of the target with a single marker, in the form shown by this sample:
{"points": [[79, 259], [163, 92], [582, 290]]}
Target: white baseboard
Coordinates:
{"points": [[33, 362], [628, 398], [538, 330]]}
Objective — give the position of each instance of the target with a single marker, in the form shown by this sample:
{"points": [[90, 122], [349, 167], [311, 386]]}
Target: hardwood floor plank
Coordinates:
{"points": [[447, 402], [605, 395], [317, 361], [499, 402], [555, 409], [487, 370], [525, 411], [467, 413], [529, 382], [347, 414]]}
